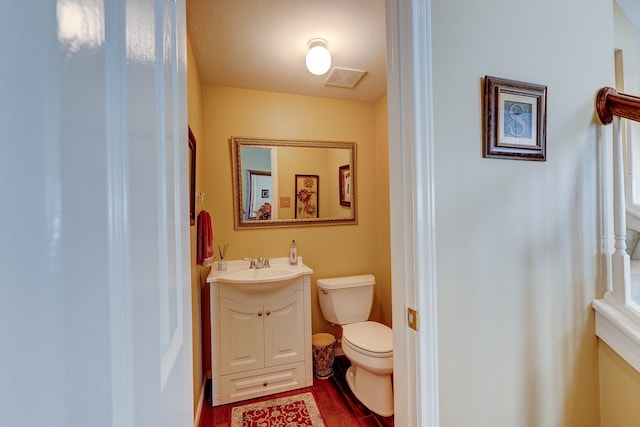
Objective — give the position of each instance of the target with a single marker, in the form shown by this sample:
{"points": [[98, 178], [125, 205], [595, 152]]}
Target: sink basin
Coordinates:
{"points": [[259, 275], [247, 280]]}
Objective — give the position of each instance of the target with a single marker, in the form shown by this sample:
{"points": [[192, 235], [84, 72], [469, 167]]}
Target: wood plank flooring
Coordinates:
{"points": [[336, 402]]}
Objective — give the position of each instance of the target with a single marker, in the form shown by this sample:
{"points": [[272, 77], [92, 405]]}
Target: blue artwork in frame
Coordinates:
{"points": [[517, 119], [514, 119]]}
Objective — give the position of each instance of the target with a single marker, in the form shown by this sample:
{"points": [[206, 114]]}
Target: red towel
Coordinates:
{"points": [[205, 239]]}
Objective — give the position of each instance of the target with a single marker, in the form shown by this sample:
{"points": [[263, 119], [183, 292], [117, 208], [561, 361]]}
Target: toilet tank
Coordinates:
{"points": [[345, 300]]}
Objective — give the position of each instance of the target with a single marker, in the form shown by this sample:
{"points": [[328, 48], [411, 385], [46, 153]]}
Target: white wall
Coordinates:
{"points": [[518, 252]]}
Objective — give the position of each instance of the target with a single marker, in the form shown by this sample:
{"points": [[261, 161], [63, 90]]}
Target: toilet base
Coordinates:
{"points": [[373, 391]]}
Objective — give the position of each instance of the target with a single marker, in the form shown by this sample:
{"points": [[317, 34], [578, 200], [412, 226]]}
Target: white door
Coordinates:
{"points": [[95, 316]]}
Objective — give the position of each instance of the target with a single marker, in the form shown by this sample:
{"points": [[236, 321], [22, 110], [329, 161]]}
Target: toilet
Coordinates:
{"points": [[347, 301]]}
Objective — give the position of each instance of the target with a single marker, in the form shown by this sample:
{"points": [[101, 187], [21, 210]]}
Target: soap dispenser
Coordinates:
{"points": [[293, 253]]}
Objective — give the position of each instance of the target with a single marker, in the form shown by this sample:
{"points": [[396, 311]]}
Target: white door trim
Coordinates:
{"points": [[411, 183]]}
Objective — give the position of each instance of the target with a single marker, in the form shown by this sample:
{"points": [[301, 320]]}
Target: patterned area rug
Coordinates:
{"points": [[299, 410]]}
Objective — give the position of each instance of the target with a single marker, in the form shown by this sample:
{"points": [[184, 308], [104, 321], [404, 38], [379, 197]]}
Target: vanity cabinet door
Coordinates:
{"points": [[284, 330], [241, 336]]}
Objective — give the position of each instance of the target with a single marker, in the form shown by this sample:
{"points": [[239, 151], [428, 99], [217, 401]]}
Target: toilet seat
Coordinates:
{"points": [[371, 338]]}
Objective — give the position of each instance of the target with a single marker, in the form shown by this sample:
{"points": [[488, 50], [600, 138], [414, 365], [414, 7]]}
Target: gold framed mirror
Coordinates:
{"points": [[291, 183]]}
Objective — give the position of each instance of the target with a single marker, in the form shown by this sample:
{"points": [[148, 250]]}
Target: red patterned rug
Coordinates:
{"points": [[299, 410]]}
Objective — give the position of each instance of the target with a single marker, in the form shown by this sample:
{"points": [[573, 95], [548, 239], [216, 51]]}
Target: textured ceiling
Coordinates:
{"points": [[261, 44]]}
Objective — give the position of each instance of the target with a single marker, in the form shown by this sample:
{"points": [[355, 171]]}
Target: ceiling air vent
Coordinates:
{"points": [[344, 77]]}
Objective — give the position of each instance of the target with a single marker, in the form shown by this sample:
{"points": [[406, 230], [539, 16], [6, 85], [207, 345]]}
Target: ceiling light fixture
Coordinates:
{"points": [[318, 58]]}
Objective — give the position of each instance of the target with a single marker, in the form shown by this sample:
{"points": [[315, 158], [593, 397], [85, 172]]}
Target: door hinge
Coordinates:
{"points": [[413, 319]]}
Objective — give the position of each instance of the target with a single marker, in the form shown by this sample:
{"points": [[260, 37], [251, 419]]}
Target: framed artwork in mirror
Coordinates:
{"points": [[515, 119], [192, 178], [307, 196], [344, 181]]}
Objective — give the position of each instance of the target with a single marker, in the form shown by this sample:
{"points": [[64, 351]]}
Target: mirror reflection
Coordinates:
{"points": [[259, 195], [279, 183]]}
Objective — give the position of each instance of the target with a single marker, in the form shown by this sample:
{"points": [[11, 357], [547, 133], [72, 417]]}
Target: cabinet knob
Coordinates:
{"points": [[259, 313], [268, 313], [264, 384]]}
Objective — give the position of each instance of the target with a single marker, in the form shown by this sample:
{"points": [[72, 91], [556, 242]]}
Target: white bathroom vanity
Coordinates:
{"points": [[260, 329]]}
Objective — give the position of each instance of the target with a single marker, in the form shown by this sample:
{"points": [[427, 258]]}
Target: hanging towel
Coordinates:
{"points": [[205, 239]]}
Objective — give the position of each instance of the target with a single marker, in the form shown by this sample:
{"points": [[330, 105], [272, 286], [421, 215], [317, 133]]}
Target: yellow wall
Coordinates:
{"points": [[382, 211], [195, 123], [619, 390], [329, 250]]}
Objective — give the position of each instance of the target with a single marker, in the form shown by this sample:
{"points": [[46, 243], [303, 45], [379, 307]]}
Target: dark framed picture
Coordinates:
{"points": [[265, 193], [515, 119], [344, 180], [192, 178], [307, 196]]}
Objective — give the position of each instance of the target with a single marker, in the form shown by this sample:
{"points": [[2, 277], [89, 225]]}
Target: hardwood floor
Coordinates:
{"points": [[336, 402]]}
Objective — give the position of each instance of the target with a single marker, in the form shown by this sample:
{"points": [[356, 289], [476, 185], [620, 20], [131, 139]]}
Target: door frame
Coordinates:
{"points": [[412, 220]]}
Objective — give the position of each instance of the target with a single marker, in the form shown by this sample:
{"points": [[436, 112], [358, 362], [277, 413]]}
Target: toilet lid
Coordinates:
{"points": [[371, 336]]}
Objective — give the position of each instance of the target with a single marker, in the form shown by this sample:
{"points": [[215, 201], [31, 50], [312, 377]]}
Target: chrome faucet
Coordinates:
{"points": [[259, 262], [262, 263]]}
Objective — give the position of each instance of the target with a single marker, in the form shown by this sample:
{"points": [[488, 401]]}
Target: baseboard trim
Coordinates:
{"points": [[196, 421]]}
